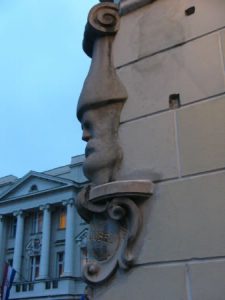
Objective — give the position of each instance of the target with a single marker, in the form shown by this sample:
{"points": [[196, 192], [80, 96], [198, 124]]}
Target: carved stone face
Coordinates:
{"points": [[103, 153]]}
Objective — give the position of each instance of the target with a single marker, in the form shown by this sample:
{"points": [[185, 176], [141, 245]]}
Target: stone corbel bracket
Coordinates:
{"points": [[112, 209]]}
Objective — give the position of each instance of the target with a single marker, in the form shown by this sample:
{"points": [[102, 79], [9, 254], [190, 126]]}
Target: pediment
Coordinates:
{"points": [[34, 183]]}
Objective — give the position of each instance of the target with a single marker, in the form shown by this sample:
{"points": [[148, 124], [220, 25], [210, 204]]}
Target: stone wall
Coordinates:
{"points": [[163, 49]]}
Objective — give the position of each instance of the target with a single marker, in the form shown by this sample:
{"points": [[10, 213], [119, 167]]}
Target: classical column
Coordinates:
{"points": [[45, 244], [18, 247], [69, 243], [2, 245], [1, 233]]}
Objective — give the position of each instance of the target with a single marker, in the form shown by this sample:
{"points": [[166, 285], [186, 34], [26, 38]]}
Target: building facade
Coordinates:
{"points": [[170, 56], [41, 233]]}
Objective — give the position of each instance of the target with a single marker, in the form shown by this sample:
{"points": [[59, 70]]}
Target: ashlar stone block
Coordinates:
{"points": [[201, 132], [222, 33], [149, 282], [195, 71], [184, 219], [163, 24], [149, 147], [207, 280]]}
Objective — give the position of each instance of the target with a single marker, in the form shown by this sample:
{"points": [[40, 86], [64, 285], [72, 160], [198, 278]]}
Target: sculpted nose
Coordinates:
{"points": [[86, 135]]}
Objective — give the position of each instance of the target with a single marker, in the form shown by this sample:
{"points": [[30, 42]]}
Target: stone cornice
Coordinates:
{"points": [[50, 206], [38, 198], [127, 6], [27, 196], [61, 181]]}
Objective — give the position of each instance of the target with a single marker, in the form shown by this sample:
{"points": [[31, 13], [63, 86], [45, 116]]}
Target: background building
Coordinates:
{"points": [[41, 232]]}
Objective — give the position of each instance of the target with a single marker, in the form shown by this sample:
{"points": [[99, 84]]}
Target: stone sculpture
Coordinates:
{"points": [[102, 97], [108, 204]]}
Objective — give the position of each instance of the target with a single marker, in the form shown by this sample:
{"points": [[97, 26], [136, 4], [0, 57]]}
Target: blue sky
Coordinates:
{"points": [[42, 69]]}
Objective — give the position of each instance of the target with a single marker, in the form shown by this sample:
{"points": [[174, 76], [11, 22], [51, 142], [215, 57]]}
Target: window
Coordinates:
{"points": [[34, 267], [33, 188], [62, 218], [24, 287], [18, 286], [10, 262], [47, 285], [12, 227], [55, 284], [37, 220], [60, 263]]}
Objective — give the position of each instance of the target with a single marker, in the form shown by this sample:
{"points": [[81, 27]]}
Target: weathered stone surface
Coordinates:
{"points": [[112, 210], [132, 188], [114, 221], [160, 51], [184, 70], [222, 34], [164, 24], [149, 145], [201, 132], [127, 6], [208, 280], [102, 96], [185, 219], [103, 153], [156, 283]]}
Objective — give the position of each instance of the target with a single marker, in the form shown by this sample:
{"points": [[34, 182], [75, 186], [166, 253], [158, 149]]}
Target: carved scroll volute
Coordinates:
{"points": [[103, 20]]}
